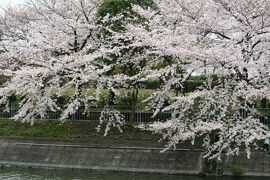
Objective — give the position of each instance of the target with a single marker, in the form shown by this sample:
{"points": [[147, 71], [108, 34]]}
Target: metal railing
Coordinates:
{"points": [[131, 114], [265, 115]]}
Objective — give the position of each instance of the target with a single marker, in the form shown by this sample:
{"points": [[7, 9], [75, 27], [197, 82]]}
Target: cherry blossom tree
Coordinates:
{"points": [[49, 47], [227, 40]]}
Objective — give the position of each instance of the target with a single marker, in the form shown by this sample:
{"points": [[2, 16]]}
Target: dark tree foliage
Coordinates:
{"points": [[124, 7], [114, 7]]}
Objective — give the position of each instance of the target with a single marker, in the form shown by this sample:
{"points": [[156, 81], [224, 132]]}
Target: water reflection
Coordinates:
{"points": [[49, 174]]}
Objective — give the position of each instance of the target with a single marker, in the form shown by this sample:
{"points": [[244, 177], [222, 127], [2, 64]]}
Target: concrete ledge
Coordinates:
{"points": [[63, 166], [93, 142], [99, 157]]}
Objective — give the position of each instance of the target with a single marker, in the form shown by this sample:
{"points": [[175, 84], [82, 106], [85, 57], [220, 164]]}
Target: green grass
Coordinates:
{"points": [[39, 129], [123, 96], [71, 129]]}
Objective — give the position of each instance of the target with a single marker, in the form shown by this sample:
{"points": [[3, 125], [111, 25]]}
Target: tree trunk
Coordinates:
{"points": [[134, 103], [111, 98], [264, 103]]}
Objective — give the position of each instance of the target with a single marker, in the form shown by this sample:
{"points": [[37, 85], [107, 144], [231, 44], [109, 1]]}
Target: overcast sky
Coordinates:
{"points": [[12, 2], [4, 3]]}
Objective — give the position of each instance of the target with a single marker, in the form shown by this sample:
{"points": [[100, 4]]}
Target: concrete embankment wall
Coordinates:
{"points": [[135, 157], [98, 156], [257, 165]]}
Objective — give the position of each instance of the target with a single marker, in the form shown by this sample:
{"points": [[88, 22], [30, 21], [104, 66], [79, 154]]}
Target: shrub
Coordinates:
{"points": [[237, 170]]}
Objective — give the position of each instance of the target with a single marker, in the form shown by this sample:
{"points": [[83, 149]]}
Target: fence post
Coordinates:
{"points": [[12, 110]]}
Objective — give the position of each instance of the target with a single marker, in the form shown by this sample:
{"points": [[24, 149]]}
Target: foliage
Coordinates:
{"points": [[207, 37], [110, 117], [237, 170], [61, 45], [113, 15], [115, 7], [52, 46]]}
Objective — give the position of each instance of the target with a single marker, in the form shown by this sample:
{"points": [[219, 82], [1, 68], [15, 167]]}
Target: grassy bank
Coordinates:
{"points": [[81, 130], [71, 129]]}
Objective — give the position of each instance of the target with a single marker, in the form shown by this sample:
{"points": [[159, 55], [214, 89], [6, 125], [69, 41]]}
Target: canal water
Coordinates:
{"points": [[52, 174]]}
